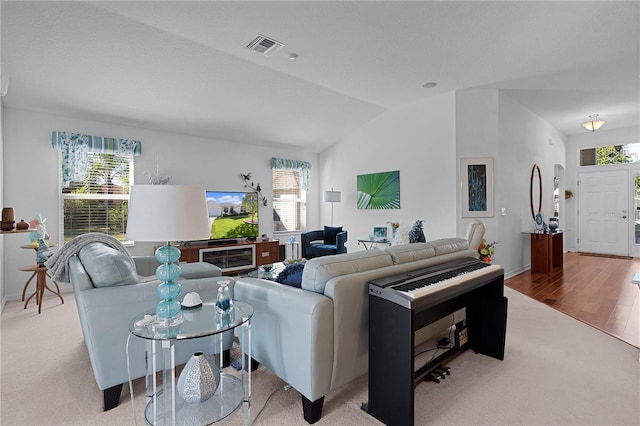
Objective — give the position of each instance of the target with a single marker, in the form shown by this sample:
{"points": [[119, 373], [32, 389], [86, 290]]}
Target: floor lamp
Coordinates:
{"points": [[331, 197], [165, 213]]}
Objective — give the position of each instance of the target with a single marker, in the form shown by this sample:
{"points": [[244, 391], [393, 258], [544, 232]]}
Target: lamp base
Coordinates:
{"points": [[168, 310]]}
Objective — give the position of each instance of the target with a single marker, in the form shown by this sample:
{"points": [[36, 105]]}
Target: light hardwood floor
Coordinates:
{"points": [[595, 290]]}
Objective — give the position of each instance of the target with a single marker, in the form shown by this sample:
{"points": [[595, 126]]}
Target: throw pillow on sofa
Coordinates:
{"points": [[330, 234], [291, 275], [107, 266]]}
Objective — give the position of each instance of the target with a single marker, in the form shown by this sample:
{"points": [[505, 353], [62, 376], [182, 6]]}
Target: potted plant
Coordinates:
{"points": [[568, 194]]}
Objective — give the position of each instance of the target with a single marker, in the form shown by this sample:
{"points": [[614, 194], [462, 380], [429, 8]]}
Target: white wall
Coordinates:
{"points": [[492, 124], [31, 173], [419, 140], [602, 137], [525, 140]]}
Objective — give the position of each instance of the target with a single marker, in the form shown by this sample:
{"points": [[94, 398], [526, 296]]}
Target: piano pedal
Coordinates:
{"points": [[434, 377], [444, 369]]}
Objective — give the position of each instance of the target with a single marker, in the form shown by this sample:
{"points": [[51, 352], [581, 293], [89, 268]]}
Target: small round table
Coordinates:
{"points": [[35, 247], [40, 272], [164, 406]]}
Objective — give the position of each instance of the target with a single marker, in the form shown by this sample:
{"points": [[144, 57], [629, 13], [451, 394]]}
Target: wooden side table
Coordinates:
{"points": [[546, 251], [35, 248], [41, 284]]}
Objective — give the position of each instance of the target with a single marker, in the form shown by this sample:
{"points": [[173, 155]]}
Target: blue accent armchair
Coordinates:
{"points": [[323, 242]]}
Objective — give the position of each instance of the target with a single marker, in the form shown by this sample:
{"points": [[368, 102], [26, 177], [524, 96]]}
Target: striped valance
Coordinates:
{"points": [[301, 166], [75, 147], [96, 144]]}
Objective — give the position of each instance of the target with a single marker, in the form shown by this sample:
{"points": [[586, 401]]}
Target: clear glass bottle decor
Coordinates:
{"points": [[224, 303]]}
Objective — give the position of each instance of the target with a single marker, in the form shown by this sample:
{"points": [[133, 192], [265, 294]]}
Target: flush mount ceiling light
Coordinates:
{"points": [[593, 124], [430, 85]]}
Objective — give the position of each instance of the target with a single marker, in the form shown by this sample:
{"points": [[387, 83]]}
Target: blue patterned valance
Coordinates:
{"points": [[74, 148], [301, 166]]}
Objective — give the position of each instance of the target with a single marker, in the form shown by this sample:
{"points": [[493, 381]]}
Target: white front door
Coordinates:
{"points": [[603, 212]]}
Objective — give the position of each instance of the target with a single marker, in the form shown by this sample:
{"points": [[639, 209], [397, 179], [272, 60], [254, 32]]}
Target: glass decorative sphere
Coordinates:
{"points": [[168, 308], [168, 272], [167, 254], [169, 290]]}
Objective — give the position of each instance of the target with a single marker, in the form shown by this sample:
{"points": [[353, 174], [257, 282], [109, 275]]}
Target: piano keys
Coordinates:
{"points": [[407, 289]]}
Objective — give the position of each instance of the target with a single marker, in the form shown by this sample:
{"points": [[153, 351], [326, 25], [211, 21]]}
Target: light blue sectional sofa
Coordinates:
{"points": [[106, 311], [316, 338]]}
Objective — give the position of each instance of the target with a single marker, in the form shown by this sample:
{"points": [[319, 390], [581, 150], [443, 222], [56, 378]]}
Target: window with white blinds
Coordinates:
{"points": [[100, 202], [289, 201]]}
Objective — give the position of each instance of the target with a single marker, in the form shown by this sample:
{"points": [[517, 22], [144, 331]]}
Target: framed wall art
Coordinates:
{"points": [[476, 177], [379, 190]]}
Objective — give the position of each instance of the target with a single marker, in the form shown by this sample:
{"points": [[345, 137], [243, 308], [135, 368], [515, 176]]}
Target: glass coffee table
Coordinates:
{"points": [[271, 274]]}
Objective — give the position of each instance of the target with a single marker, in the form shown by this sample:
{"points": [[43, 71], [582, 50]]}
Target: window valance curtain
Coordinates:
{"points": [[301, 166], [75, 147]]}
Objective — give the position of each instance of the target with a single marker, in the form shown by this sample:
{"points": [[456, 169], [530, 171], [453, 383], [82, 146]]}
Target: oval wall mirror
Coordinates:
{"points": [[535, 191]]}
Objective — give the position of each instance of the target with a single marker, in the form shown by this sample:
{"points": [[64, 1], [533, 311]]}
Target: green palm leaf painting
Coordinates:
{"points": [[379, 190]]}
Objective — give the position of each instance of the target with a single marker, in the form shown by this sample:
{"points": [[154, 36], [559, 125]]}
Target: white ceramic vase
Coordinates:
{"points": [[198, 380]]}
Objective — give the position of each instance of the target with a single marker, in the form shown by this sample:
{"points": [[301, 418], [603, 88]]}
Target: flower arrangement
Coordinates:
{"points": [[486, 250], [293, 261]]}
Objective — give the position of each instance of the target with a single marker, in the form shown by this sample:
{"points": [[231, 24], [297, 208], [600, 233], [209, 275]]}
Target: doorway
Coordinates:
{"points": [[603, 212]]}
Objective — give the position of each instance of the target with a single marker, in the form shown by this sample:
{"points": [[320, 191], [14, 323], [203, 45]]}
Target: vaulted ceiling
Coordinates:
{"points": [[184, 67]]}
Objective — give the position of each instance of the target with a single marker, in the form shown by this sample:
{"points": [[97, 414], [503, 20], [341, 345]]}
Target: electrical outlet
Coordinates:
{"points": [[462, 336], [503, 211]]}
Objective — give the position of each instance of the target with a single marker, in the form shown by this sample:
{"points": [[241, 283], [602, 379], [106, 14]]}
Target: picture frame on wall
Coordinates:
{"points": [[378, 190], [476, 177]]}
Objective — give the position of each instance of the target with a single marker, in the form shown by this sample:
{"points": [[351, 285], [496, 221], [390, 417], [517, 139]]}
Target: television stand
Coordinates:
{"points": [[232, 255], [223, 242]]}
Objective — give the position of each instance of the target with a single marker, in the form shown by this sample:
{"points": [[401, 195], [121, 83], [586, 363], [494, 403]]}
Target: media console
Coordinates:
{"points": [[231, 255]]}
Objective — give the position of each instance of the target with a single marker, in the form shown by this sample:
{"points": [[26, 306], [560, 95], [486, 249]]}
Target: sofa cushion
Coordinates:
{"points": [[107, 266], [410, 252], [449, 245], [319, 270], [291, 275], [330, 233]]}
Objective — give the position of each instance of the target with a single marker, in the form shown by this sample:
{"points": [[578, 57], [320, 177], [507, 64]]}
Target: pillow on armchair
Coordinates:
{"points": [[330, 234]]}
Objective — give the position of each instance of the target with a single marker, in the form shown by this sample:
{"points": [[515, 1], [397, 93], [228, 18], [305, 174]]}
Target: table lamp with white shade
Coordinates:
{"points": [[166, 213]]}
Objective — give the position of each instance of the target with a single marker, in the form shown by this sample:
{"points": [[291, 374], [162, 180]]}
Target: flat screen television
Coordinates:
{"points": [[232, 214]]}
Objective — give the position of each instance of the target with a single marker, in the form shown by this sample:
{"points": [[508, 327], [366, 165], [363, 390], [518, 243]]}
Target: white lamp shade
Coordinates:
{"points": [[167, 213], [331, 196]]}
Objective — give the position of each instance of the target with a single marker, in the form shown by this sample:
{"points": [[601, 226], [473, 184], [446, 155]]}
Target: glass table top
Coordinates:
{"points": [[198, 322]]}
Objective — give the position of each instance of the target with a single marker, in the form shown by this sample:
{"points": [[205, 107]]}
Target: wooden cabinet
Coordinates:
{"points": [[267, 252], [546, 252], [231, 256]]}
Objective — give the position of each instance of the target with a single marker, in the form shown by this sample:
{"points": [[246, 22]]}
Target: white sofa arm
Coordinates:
{"points": [[292, 333]]}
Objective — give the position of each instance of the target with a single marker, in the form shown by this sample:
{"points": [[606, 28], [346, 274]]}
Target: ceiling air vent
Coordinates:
{"points": [[264, 45]]}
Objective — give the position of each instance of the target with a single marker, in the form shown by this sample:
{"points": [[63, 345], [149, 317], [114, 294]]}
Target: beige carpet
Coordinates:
{"points": [[556, 371]]}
